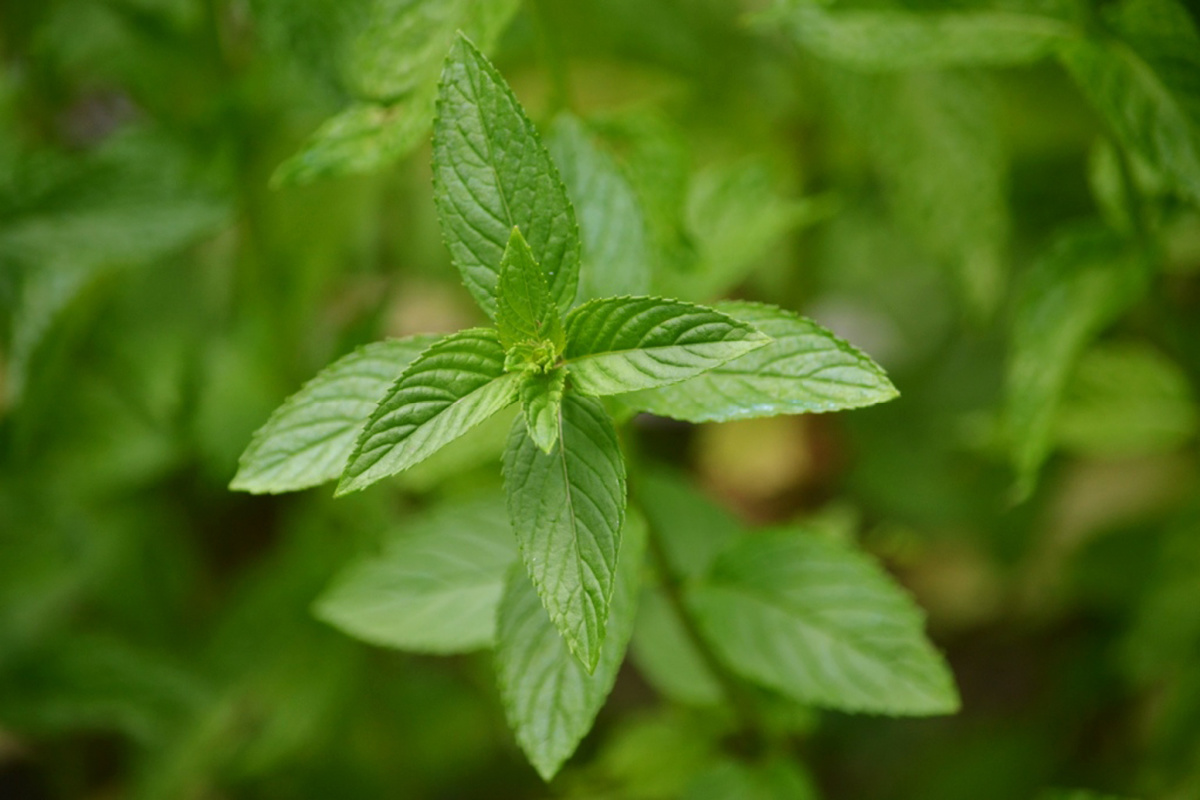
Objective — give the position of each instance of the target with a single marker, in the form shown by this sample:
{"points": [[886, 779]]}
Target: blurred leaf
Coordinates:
{"points": [[435, 586], [309, 438], [774, 780], [690, 526], [803, 369], [1145, 82], [820, 622], [549, 698], [567, 509], [454, 385], [491, 174], [622, 344], [616, 256], [1075, 290], [666, 656]]}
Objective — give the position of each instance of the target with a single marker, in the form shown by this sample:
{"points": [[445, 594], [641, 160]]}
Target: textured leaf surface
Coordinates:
{"points": [[612, 224], [309, 438], [889, 40], [435, 586], [492, 173], [1077, 289], [621, 344], [550, 700], [804, 369], [456, 384], [541, 400], [812, 618], [524, 310], [1147, 85], [566, 508]]}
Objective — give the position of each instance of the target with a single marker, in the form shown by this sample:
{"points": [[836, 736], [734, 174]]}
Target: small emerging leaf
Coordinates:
{"points": [[455, 384], [566, 508], [541, 400], [308, 439], [621, 344], [524, 310]]}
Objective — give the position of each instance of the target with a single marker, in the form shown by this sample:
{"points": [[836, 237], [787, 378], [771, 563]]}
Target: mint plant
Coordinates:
{"points": [[790, 611]]}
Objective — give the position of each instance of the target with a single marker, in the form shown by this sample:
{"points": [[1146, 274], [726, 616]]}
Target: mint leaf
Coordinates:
{"points": [[1144, 85], [804, 369], [1087, 280], [666, 656], [621, 344], [524, 310], [611, 220], [892, 40], [550, 700], [455, 384], [816, 620], [435, 586], [491, 174], [733, 780], [691, 528], [309, 438], [566, 508], [541, 400]]}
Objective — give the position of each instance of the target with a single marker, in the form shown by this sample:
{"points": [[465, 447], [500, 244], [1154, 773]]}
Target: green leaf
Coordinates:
{"points": [[820, 622], [611, 220], [434, 588], [524, 310], [893, 40], [549, 698], [541, 400], [732, 780], [491, 174], [1087, 279], [666, 656], [566, 508], [1145, 85], [308, 439], [455, 384], [804, 369], [622, 344], [691, 528]]}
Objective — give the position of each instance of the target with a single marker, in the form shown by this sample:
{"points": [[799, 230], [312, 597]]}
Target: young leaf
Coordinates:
{"points": [[1078, 288], [491, 174], [804, 369], [524, 310], [1145, 85], [308, 439], [566, 508], [884, 39], [550, 700], [622, 344], [541, 400], [611, 221], [434, 588], [455, 384], [810, 617]]}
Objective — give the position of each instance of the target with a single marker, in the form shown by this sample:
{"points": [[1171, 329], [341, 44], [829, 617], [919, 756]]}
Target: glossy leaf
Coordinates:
{"points": [[455, 384], [567, 507], [550, 700], [814, 619], [804, 369], [491, 174], [309, 438], [621, 344], [435, 586]]}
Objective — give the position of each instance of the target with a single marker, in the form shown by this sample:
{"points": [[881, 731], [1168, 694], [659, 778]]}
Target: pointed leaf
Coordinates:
{"points": [[566, 509], [549, 698], [621, 344], [813, 618], [805, 369], [612, 223], [524, 310], [455, 384], [308, 439], [435, 586], [491, 173], [541, 400]]}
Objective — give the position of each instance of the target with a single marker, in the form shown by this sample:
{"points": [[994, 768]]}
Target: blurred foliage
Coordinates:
{"points": [[996, 200]]}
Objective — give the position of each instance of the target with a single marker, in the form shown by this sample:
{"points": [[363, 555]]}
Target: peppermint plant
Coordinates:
{"points": [[550, 577]]}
